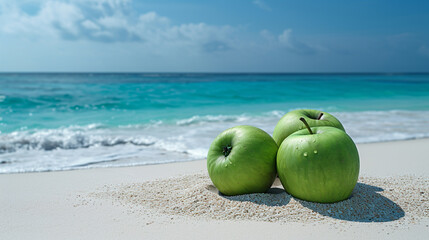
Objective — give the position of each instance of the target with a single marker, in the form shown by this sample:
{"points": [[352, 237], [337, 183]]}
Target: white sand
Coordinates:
{"points": [[373, 200], [74, 204]]}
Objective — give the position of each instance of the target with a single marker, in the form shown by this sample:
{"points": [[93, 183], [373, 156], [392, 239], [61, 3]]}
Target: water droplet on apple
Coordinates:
{"points": [[305, 154], [315, 151]]}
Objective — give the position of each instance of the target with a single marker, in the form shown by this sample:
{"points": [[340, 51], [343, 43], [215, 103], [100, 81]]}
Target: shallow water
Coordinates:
{"points": [[68, 121]]}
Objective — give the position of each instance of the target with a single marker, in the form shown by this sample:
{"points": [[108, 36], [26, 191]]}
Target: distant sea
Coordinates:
{"points": [[62, 121]]}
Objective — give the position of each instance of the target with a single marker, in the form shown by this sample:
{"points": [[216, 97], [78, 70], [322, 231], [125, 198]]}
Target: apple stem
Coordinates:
{"points": [[226, 150], [306, 125], [320, 116]]}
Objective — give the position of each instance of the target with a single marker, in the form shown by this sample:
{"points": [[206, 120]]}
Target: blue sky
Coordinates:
{"points": [[214, 36]]}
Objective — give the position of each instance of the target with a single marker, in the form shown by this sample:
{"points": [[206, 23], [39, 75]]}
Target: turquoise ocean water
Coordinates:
{"points": [[69, 121]]}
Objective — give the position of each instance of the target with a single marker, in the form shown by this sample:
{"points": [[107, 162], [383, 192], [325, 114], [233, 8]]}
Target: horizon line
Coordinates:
{"points": [[218, 73]]}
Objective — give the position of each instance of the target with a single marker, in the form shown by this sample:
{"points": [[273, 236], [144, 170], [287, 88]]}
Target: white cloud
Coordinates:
{"points": [[262, 5], [110, 35], [286, 40], [52, 15], [90, 25], [107, 21], [267, 35]]}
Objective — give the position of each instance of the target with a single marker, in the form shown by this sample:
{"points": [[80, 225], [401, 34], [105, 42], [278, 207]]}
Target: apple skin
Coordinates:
{"points": [[250, 166], [290, 122], [321, 167]]}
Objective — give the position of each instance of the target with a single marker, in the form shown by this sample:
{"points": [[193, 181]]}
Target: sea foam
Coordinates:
{"points": [[98, 145]]}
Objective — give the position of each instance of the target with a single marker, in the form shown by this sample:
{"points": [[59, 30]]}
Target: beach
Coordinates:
{"points": [[164, 201], [125, 119]]}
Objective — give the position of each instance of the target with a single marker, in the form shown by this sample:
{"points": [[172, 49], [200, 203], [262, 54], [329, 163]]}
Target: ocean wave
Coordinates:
{"points": [[197, 119], [98, 145], [240, 118], [66, 138], [367, 126]]}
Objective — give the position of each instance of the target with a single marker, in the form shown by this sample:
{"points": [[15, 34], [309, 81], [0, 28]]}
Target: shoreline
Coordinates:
{"points": [[363, 145], [58, 204]]}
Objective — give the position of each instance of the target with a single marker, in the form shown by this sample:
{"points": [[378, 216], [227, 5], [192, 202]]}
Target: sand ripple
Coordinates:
{"points": [[373, 200]]}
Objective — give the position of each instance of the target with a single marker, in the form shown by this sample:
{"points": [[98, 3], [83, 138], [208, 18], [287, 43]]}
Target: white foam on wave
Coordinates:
{"points": [[212, 118], [380, 126], [66, 138], [187, 139]]}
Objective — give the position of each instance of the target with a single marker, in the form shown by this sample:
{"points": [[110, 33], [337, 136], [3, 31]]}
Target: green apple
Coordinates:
{"points": [[319, 164], [242, 160], [290, 123]]}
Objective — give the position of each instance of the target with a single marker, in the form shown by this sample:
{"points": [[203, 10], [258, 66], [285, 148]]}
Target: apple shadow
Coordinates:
{"points": [[364, 205], [275, 196]]}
